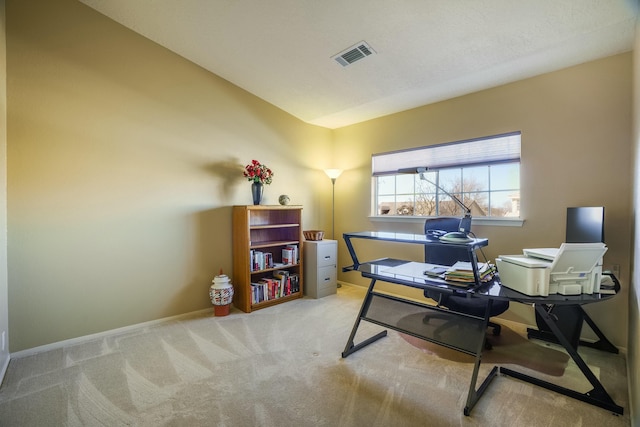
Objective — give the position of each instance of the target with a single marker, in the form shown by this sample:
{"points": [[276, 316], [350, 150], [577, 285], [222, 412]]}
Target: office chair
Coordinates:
{"points": [[448, 256]]}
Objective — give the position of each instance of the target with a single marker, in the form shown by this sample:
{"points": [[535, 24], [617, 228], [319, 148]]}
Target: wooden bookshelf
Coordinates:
{"points": [[267, 230]]}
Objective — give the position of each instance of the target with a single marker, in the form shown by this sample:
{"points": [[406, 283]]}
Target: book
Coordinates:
{"points": [[279, 274], [294, 253], [435, 271], [257, 293], [268, 260], [257, 260], [295, 282], [287, 256]]}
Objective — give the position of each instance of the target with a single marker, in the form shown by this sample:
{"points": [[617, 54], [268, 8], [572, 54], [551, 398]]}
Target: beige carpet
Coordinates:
{"points": [[509, 348], [282, 367]]}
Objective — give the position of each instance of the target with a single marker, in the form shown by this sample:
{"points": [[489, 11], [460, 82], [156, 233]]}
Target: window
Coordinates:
{"points": [[483, 174]]}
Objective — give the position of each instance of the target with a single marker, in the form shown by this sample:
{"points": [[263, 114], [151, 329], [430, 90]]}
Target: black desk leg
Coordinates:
{"points": [[597, 397], [474, 395], [352, 253], [602, 344], [350, 347]]}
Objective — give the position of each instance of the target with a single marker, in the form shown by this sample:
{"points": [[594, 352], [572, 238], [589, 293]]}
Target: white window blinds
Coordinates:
{"points": [[478, 151]]}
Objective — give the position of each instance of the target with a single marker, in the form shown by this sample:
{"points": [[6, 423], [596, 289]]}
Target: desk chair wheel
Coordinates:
{"points": [[496, 329]]}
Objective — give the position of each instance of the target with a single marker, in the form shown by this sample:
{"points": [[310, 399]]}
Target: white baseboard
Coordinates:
{"points": [[85, 338]]}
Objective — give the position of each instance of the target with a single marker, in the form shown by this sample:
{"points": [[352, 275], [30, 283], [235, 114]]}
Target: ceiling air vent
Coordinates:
{"points": [[354, 53]]}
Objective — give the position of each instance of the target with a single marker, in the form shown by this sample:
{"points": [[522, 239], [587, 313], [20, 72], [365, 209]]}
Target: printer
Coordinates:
{"points": [[572, 269]]}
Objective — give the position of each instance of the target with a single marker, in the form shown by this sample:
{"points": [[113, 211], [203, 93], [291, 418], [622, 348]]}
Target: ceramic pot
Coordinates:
{"points": [[221, 293]]}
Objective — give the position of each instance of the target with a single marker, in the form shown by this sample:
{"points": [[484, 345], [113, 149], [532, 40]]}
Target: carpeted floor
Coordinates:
{"points": [[510, 347], [282, 366]]}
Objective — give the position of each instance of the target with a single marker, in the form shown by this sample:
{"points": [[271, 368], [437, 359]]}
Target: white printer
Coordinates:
{"points": [[573, 269]]}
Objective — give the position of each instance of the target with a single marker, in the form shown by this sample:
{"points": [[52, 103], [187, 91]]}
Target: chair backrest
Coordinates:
{"points": [[443, 255]]}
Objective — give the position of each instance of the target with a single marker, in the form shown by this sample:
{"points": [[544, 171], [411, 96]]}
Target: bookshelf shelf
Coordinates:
{"points": [[265, 304], [280, 267], [257, 227], [261, 245], [263, 238]]}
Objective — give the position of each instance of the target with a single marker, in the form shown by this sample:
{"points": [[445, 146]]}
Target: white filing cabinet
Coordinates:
{"points": [[320, 268]]}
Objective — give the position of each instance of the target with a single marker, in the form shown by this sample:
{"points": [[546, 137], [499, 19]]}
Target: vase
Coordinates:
{"points": [[221, 293], [256, 192]]}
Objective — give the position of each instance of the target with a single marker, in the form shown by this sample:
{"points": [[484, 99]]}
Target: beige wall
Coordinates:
{"points": [[576, 151], [124, 161], [4, 306]]}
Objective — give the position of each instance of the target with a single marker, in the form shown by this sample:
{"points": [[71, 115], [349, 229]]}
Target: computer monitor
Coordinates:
{"points": [[585, 225]]}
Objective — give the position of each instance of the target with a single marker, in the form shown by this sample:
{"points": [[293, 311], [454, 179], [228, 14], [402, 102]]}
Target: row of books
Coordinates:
{"points": [[260, 260], [280, 285], [462, 272], [263, 260]]}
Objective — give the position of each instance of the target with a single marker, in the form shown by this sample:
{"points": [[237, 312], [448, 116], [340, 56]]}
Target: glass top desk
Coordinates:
{"points": [[455, 330]]}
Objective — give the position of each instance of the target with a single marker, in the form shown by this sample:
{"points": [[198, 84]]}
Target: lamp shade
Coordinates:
{"points": [[333, 173]]}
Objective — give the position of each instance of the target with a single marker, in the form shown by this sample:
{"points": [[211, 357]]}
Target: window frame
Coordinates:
{"points": [[456, 155]]}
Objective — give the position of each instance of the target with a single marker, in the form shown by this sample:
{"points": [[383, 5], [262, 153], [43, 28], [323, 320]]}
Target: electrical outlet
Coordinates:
{"points": [[3, 341], [612, 268]]}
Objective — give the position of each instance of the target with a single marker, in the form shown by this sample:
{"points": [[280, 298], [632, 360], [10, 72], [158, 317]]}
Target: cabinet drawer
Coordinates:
{"points": [[327, 254], [327, 277]]}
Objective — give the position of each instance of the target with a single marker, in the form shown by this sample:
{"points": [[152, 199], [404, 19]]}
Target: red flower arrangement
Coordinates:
{"points": [[257, 172]]}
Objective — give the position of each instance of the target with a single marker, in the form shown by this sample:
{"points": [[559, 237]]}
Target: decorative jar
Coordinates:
{"points": [[284, 199], [221, 293]]}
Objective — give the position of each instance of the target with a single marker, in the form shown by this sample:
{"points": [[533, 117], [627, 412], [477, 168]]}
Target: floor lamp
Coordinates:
{"points": [[333, 174]]}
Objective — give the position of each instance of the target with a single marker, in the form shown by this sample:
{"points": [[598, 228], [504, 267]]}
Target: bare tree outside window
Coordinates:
{"points": [[483, 173], [413, 195]]}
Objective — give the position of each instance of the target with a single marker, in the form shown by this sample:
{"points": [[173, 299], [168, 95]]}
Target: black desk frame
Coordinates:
{"points": [[491, 291], [579, 315], [474, 341], [477, 341], [598, 396]]}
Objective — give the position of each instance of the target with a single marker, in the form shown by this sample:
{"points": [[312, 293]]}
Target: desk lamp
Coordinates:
{"points": [[465, 221]]}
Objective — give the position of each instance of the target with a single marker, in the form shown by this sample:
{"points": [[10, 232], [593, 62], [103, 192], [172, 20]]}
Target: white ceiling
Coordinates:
{"points": [[426, 50]]}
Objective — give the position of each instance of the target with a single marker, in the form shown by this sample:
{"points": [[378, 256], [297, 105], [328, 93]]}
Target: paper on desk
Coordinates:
{"points": [[410, 269], [467, 266]]}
